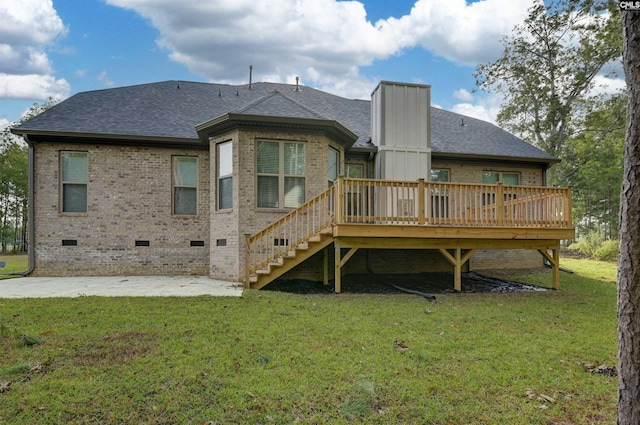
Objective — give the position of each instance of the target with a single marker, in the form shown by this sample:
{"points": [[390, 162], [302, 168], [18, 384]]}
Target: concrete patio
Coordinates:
{"points": [[117, 286]]}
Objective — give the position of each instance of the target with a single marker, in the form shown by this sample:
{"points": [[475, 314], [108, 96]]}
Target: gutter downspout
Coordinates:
{"points": [[31, 214]]}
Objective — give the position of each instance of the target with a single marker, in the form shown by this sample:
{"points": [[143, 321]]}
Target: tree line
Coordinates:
{"points": [[14, 185], [548, 75]]}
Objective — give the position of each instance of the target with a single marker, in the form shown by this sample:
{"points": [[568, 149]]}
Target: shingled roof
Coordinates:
{"points": [[172, 110]]}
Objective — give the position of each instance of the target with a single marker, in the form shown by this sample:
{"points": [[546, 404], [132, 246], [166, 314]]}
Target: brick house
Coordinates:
{"points": [[168, 179]]}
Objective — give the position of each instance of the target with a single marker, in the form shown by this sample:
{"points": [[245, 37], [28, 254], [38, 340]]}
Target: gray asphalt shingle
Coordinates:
{"points": [[172, 109]]}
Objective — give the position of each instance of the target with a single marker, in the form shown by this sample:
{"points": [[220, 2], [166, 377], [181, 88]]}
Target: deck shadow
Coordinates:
{"points": [[431, 283]]}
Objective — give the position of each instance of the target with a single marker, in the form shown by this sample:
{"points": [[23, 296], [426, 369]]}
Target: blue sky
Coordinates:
{"points": [[61, 47]]}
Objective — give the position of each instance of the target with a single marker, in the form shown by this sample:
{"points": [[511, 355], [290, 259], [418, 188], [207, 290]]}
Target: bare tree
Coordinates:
{"points": [[629, 261]]}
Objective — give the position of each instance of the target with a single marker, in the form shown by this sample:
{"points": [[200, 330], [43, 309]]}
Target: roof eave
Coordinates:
{"points": [[233, 121], [495, 158], [128, 139]]}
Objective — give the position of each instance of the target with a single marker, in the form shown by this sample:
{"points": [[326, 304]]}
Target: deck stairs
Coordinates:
{"points": [[288, 242], [281, 264]]}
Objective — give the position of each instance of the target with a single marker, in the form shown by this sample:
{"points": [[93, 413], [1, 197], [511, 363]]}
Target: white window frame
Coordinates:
{"points": [[440, 170], [82, 182], [333, 152], [500, 175], [226, 169], [175, 185], [282, 176]]}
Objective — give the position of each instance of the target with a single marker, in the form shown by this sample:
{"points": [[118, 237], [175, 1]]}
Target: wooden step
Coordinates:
{"points": [[327, 231]]}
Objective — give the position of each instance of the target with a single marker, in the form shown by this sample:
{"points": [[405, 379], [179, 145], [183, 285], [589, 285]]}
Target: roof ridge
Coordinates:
{"points": [[275, 93]]}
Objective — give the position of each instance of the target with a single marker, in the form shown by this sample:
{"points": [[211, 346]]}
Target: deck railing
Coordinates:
{"points": [[291, 230], [451, 204], [420, 203]]}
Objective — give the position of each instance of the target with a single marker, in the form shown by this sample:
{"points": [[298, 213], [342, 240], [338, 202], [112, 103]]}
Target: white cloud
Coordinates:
{"points": [[464, 33], [462, 94], [325, 42], [4, 123], [606, 86], [103, 79], [485, 107], [28, 28], [33, 86]]}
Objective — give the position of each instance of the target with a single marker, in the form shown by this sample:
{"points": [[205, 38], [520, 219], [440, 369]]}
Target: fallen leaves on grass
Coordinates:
{"points": [[532, 394], [26, 373], [400, 346], [602, 369]]}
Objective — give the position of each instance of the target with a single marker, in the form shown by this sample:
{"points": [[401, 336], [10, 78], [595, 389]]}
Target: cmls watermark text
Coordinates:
{"points": [[630, 5]]}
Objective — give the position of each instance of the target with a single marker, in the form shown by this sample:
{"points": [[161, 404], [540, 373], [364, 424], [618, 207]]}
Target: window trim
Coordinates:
{"points": [[500, 174], [282, 175], [174, 161], [330, 151], [348, 166], [220, 177], [440, 169], [64, 182]]}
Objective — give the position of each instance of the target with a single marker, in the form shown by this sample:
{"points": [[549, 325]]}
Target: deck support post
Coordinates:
{"points": [[340, 262], [457, 276], [337, 275], [325, 254], [457, 260], [554, 260]]}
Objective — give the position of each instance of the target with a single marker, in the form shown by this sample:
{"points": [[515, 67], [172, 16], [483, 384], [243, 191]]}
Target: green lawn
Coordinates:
{"points": [[277, 358], [13, 264]]}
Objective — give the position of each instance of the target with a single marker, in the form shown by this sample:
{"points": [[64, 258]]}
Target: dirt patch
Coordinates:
{"points": [[117, 349], [430, 283]]}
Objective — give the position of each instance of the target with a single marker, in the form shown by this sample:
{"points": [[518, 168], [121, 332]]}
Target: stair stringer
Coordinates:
{"points": [[312, 246]]}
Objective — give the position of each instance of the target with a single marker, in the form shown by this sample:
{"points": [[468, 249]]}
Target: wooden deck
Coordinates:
{"points": [[455, 219]]}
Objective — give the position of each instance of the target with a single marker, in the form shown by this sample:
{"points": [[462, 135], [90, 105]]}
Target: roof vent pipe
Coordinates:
{"points": [[297, 83], [250, 76]]}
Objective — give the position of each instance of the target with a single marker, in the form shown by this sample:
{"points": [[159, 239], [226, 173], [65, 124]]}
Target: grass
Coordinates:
{"points": [[284, 358], [13, 264]]}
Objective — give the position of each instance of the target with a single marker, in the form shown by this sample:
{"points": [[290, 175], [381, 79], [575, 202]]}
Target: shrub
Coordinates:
{"points": [[594, 246], [608, 251], [588, 245]]}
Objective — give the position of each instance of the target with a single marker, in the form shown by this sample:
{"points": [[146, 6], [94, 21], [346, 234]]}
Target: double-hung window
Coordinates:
{"points": [[493, 177], [185, 185], [439, 175], [281, 174], [225, 175], [332, 165], [439, 197], [74, 179]]}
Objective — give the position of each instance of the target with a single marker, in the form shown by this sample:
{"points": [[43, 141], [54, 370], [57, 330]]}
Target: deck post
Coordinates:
{"points": [[556, 266], [421, 202], [338, 202], [325, 253], [338, 262], [457, 278], [554, 260], [500, 205]]}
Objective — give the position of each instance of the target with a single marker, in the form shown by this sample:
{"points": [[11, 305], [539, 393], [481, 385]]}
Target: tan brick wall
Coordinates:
{"points": [[471, 173], [245, 218], [129, 199]]}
